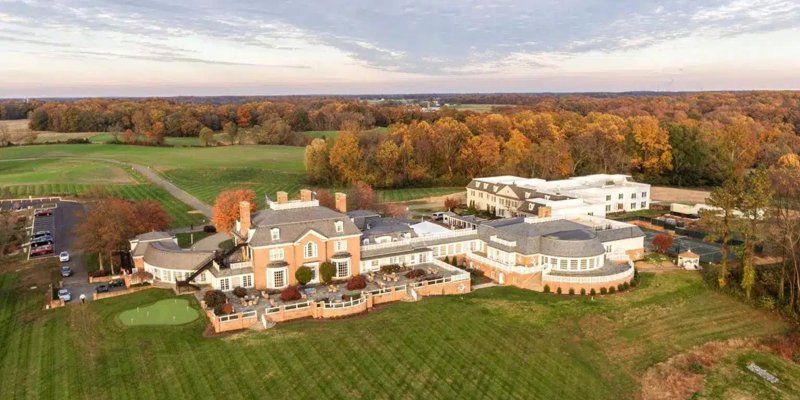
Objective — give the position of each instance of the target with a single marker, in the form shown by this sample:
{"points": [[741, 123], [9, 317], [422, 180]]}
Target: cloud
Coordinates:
{"points": [[169, 56], [425, 37]]}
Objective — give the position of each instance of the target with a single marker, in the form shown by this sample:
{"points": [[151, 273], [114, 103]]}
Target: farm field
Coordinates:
{"points": [[481, 345], [333, 134], [477, 107]]}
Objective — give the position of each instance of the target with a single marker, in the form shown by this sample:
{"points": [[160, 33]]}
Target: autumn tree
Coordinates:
{"points": [[111, 222], [226, 207], [206, 137], [652, 151], [515, 152], [346, 158], [232, 130], [755, 197], [783, 229], [662, 243], [387, 159], [719, 223], [360, 196], [450, 203], [317, 163], [326, 198], [395, 210]]}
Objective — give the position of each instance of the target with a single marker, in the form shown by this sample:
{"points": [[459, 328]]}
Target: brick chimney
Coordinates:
{"points": [[305, 195], [244, 218], [545, 212], [283, 197], [341, 202]]}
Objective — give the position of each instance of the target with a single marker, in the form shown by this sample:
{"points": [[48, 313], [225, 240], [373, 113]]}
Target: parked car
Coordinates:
{"points": [[102, 288], [64, 256], [44, 213], [116, 283], [41, 242], [209, 229], [64, 294], [438, 215], [40, 251], [41, 238], [66, 271], [41, 233]]}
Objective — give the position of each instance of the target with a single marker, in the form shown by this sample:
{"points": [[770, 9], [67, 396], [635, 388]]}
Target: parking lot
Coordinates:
{"points": [[61, 223]]}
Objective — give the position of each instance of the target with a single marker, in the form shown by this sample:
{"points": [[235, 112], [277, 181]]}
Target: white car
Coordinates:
{"points": [[64, 294], [64, 256]]}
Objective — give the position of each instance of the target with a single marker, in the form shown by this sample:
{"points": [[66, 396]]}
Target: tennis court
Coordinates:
{"points": [[708, 252]]}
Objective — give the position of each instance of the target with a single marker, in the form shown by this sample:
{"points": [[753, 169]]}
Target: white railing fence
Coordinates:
{"points": [[590, 279], [461, 233], [346, 304]]}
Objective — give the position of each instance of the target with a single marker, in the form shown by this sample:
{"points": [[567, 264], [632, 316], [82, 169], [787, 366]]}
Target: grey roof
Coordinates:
{"points": [[155, 235], [393, 251], [295, 223], [167, 254], [557, 237], [386, 226], [362, 213], [225, 272]]}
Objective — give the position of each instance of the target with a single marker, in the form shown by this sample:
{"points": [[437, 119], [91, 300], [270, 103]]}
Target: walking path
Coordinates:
{"points": [[153, 177]]}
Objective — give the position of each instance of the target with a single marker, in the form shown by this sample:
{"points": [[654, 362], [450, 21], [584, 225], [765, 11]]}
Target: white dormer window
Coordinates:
{"points": [[310, 250], [275, 233], [339, 226]]}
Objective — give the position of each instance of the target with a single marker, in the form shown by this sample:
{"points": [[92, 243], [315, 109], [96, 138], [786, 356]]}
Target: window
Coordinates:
{"points": [[247, 281], [583, 263], [279, 278], [644, 204], [225, 284], [275, 254], [342, 268], [644, 194], [608, 208], [339, 226], [275, 233], [563, 263], [608, 197], [620, 196], [633, 195], [310, 251], [314, 270], [591, 263], [620, 206], [340, 245], [633, 206], [573, 264]]}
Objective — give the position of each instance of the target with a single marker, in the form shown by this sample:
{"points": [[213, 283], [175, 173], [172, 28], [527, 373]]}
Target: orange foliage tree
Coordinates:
{"points": [[226, 207]]}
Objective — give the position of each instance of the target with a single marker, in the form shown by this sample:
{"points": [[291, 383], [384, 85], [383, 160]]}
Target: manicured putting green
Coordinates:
{"points": [[163, 312]]}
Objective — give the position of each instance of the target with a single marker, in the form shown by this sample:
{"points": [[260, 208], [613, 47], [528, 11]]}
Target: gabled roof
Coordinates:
{"points": [[688, 254], [296, 223]]}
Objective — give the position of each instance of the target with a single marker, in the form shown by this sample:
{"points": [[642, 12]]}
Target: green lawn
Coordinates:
{"points": [[333, 134], [495, 343], [391, 195], [730, 379], [162, 312]]}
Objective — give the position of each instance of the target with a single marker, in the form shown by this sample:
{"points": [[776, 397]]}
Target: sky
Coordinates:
{"points": [[82, 48]]}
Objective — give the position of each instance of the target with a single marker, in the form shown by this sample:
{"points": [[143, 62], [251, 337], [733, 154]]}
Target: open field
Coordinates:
{"points": [[677, 195], [333, 134], [23, 178], [495, 343], [477, 107], [406, 194], [20, 126]]}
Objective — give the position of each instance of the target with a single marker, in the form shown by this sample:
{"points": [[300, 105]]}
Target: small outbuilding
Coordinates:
{"points": [[689, 260]]}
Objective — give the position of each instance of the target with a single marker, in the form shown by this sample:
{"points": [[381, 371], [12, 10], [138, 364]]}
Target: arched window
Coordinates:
{"points": [[310, 250]]}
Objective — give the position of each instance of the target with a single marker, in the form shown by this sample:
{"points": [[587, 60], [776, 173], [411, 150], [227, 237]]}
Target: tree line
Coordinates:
{"points": [[451, 149]]}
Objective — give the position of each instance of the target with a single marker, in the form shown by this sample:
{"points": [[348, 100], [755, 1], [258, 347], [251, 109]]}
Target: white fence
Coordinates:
{"points": [[346, 304], [287, 307], [235, 317], [503, 267], [377, 292], [590, 279], [423, 239]]}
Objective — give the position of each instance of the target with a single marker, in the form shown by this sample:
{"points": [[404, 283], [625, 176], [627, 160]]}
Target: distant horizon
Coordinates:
{"points": [[398, 95]]}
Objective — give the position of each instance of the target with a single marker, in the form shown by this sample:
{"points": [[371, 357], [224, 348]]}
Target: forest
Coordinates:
{"points": [[682, 139]]}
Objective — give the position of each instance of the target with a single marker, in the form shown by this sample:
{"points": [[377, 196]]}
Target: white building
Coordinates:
{"points": [[597, 195]]}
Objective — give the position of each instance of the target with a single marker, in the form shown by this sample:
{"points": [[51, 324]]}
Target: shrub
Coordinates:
{"points": [[356, 283], [454, 261], [303, 275], [571, 291], [612, 290], [327, 271], [227, 308], [625, 285], [391, 268], [662, 243], [603, 290], [415, 273], [592, 292], [558, 290], [634, 283], [290, 293], [239, 291], [213, 298], [583, 291], [547, 288], [620, 288]]}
